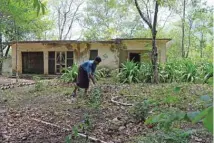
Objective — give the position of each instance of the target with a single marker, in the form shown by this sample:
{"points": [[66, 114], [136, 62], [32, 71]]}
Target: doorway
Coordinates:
{"points": [[60, 62], [135, 57], [32, 63]]}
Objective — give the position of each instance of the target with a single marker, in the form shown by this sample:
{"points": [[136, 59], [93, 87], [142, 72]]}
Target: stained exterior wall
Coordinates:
{"points": [[7, 67], [142, 46], [110, 59], [81, 53]]}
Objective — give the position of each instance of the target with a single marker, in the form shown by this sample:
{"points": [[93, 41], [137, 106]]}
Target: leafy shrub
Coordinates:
{"points": [[184, 70], [129, 72], [206, 115], [84, 127], [166, 119], [70, 73], [174, 136], [102, 73], [189, 71], [145, 73], [170, 72], [95, 98], [140, 110], [38, 83], [207, 71]]}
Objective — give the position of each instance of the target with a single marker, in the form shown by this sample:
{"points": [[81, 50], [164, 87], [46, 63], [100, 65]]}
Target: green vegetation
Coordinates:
{"points": [[95, 99], [39, 86], [70, 73], [174, 71], [177, 110], [83, 127]]}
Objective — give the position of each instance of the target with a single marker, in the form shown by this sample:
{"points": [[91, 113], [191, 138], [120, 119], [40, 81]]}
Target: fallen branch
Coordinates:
{"points": [[119, 103], [80, 134]]}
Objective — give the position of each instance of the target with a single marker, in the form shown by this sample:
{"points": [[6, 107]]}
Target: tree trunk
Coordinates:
{"points": [[1, 54], [201, 44], [154, 56], [183, 22], [189, 38], [154, 47], [7, 51]]}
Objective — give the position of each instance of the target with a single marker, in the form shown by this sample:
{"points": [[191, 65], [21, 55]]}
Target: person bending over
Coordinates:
{"points": [[86, 72]]}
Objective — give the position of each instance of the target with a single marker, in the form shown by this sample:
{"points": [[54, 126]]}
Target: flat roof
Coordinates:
{"points": [[165, 39], [87, 41]]}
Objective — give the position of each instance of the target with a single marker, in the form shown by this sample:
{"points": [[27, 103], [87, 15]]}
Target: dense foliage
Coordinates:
{"points": [[174, 71]]}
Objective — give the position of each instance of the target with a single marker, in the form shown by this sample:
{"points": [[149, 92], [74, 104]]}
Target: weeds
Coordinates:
{"points": [[102, 73], [140, 111], [95, 98], [39, 86], [83, 127], [70, 73], [174, 136]]}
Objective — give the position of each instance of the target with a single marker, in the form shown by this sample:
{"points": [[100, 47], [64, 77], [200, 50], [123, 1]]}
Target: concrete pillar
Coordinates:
{"points": [[45, 62], [163, 53], [19, 60]]}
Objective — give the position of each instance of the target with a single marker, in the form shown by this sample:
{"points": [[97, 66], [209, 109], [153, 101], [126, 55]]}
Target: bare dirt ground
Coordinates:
{"points": [[51, 103]]}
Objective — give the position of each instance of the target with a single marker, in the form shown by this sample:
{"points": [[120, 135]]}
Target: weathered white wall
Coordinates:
{"points": [[7, 67]]}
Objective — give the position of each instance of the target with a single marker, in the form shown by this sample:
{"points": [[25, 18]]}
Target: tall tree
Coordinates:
{"points": [[183, 26], [149, 14], [65, 14], [21, 16], [107, 19], [185, 10]]}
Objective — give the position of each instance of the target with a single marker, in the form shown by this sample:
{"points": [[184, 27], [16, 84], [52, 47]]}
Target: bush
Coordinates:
{"points": [[70, 73], [129, 72], [170, 72], [174, 136], [184, 70], [140, 111], [207, 71], [38, 83], [145, 72], [189, 71], [102, 73]]}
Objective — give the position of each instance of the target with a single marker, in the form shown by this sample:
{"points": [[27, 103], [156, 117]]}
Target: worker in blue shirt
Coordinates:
{"points": [[85, 73]]}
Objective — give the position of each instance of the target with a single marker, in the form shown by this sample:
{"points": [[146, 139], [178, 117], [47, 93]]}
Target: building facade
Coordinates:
{"points": [[50, 57]]}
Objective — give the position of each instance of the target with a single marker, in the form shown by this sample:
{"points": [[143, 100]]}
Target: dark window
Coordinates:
{"points": [[69, 54], [32, 63], [135, 57], [93, 54], [70, 58], [51, 62]]}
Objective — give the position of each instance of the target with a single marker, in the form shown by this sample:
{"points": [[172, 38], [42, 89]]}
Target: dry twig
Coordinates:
{"points": [[80, 134]]}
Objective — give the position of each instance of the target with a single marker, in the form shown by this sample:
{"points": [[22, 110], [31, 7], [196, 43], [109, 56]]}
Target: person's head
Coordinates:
{"points": [[97, 60]]}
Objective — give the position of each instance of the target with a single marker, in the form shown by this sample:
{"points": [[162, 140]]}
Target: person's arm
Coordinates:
{"points": [[92, 78]]}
